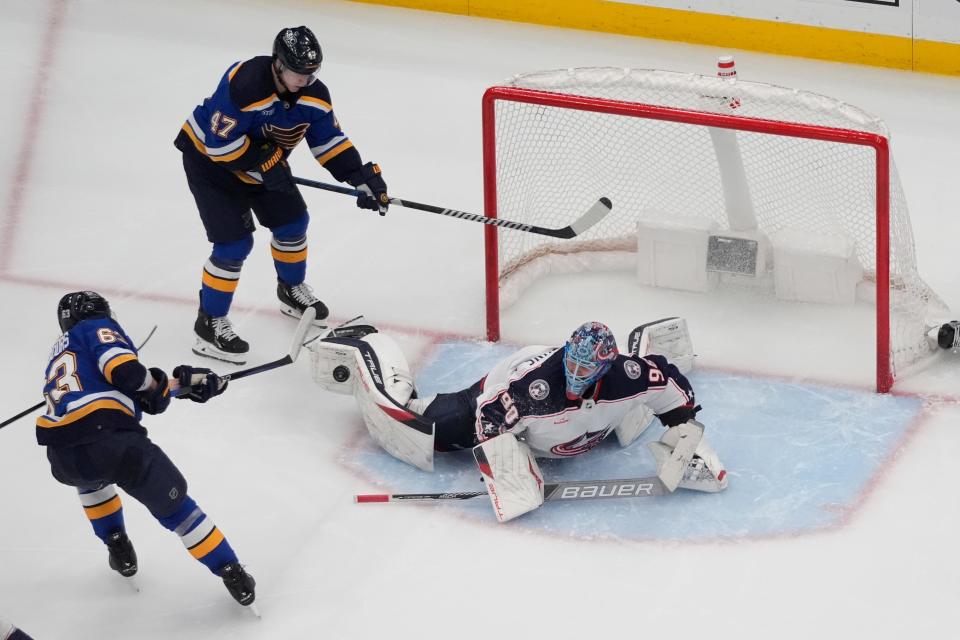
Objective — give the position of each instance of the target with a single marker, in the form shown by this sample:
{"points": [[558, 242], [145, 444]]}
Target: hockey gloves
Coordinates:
{"points": [[198, 384], [156, 398], [683, 413], [273, 169], [368, 179]]}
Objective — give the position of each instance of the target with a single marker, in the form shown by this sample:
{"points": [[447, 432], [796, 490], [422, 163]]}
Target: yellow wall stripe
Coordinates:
{"points": [[936, 57], [678, 25]]}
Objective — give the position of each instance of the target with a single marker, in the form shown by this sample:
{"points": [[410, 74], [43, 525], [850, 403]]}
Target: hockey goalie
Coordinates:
{"points": [[539, 402]]}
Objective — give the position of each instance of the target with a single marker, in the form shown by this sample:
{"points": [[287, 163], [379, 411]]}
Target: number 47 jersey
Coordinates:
{"points": [[526, 395], [82, 401]]}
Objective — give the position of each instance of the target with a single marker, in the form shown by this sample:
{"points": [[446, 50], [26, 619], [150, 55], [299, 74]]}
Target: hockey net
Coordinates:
{"points": [[554, 141]]}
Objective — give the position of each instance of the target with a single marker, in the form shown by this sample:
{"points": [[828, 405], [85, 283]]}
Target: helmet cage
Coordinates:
{"points": [[587, 356]]}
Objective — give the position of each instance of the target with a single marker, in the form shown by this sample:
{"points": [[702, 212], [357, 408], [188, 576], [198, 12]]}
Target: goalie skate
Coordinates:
{"points": [[698, 476]]}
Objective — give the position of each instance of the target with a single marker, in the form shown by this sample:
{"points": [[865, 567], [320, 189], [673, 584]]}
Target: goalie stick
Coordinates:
{"points": [[592, 216], [646, 487], [43, 402]]}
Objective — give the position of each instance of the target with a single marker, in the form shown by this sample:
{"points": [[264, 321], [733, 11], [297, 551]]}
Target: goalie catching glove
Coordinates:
{"points": [[197, 383], [512, 476]]}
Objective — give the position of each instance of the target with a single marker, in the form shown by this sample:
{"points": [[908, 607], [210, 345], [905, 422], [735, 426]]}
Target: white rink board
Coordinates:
{"points": [[936, 20]]}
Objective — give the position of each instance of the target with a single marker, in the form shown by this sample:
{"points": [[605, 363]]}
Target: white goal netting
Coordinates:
{"points": [[813, 169]]}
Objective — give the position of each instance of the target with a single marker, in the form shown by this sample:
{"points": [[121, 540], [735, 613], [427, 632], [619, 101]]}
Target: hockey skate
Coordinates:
{"points": [[239, 583], [217, 339], [294, 299], [699, 476], [123, 559]]}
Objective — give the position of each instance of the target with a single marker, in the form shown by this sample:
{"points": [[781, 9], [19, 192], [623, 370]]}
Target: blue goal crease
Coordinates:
{"points": [[798, 457]]}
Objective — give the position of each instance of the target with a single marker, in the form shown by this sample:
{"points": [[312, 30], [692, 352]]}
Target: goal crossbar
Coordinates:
{"points": [[879, 143]]}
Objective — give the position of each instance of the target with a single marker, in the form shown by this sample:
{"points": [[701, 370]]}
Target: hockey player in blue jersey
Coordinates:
{"points": [[235, 148], [9, 632], [96, 391]]}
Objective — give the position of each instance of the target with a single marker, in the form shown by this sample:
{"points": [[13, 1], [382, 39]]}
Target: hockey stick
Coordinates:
{"points": [[40, 404], [592, 216], [295, 345], [552, 491]]}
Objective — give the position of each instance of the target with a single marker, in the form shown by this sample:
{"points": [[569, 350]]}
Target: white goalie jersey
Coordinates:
{"points": [[526, 395]]}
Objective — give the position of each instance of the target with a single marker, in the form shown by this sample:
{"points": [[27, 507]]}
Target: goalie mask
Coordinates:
{"points": [[588, 354], [81, 305]]}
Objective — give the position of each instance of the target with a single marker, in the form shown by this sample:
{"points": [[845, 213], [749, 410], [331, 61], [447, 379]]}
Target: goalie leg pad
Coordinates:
{"points": [[674, 451], [402, 433], [512, 476]]}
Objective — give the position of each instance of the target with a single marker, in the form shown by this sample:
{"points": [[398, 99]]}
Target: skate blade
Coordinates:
{"points": [[706, 485], [207, 350], [253, 609], [287, 310]]}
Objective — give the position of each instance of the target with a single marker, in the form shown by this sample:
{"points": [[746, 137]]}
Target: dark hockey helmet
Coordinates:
{"points": [[298, 50], [81, 305], [588, 354]]}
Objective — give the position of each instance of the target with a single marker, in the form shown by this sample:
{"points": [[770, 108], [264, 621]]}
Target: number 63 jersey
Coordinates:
{"points": [[526, 395], [82, 403]]}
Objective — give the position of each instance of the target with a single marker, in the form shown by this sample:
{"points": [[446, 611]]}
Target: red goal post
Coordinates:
{"points": [[526, 122]]}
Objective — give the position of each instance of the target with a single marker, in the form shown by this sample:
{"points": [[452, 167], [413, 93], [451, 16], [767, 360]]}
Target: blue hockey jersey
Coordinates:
{"points": [[84, 401], [246, 109]]}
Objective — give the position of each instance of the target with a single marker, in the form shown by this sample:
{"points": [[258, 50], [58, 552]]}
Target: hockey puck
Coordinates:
{"points": [[341, 374]]}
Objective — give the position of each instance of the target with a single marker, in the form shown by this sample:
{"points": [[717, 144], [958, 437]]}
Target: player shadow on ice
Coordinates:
{"points": [[799, 457]]}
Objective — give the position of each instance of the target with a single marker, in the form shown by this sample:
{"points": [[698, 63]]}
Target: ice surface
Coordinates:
{"points": [[841, 515]]}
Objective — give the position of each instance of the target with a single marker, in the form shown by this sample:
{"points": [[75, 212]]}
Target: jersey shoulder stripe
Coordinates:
{"points": [[72, 416], [316, 94], [251, 84], [316, 103]]}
